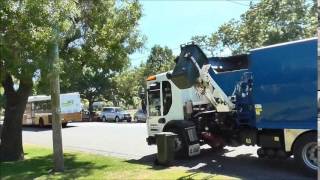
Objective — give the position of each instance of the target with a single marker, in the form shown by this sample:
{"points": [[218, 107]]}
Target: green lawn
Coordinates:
{"points": [[38, 162]]}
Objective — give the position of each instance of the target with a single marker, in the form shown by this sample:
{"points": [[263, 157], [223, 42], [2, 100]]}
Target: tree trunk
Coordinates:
{"points": [[90, 105], [58, 159], [91, 115], [11, 139]]}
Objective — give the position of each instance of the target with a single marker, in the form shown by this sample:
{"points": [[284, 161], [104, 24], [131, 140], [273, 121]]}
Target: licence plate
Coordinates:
{"points": [[194, 149]]}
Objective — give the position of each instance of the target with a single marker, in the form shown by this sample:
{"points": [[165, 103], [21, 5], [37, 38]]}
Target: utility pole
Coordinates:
{"points": [[55, 100]]}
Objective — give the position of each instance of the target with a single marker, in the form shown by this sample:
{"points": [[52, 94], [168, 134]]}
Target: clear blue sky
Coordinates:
{"points": [[172, 23]]}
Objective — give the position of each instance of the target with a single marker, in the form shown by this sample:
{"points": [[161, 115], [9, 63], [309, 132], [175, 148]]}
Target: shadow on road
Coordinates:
{"points": [[39, 129], [244, 166]]}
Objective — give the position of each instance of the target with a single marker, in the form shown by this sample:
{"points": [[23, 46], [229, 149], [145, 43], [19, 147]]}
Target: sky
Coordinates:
{"points": [[172, 23]]}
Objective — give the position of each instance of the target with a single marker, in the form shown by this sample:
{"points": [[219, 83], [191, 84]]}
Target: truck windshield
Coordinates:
{"points": [[154, 100]]}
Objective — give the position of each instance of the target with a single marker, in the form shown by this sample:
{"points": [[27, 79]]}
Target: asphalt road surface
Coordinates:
{"points": [[127, 140]]}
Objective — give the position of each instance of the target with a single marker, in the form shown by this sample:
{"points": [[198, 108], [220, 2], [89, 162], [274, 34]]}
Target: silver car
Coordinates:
{"points": [[140, 116], [114, 114]]}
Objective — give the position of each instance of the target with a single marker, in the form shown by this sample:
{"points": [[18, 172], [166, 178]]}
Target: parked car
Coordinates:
{"points": [[114, 114], [140, 116]]}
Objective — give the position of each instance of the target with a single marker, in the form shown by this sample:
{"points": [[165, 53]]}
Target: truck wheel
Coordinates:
{"points": [[104, 119], [180, 144], [306, 152], [41, 123], [261, 153]]}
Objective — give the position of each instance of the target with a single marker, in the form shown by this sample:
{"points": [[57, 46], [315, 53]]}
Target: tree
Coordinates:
{"points": [[161, 59], [126, 88], [97, 50], [53, 58], [93, 85], [95, 35], [267, 22], [130, 83], [207, 43], [25, 34]]}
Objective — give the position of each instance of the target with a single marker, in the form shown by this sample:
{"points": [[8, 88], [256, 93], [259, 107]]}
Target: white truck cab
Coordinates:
{"points": [[167, 103], [161, 106]]}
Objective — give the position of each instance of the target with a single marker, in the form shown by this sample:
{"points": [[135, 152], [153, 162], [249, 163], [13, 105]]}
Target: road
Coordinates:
{"points": [[125, 140], [128, 141]]}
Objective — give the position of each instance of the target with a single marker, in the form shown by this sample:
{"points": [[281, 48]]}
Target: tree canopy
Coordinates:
{"points": [[95, 39], [161, 59], [131, 82], [266, 22], [104, 35]]}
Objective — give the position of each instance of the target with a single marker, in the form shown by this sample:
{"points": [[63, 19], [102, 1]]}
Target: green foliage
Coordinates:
{"points": [[95, 39], [207, 43], [26, 32], [161, 59], [97, 47], [127, 87], [131, 82], [266, 22]]}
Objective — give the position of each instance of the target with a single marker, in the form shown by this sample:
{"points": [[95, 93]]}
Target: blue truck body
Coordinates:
{"points": [[284, 84]]}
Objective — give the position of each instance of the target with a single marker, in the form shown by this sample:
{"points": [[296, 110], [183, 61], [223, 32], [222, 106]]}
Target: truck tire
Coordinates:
{"points": [[181, 146], [306, 152], [104, 119]]}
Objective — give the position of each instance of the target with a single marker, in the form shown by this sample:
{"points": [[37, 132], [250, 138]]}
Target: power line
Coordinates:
{"points": [[237, 2]]}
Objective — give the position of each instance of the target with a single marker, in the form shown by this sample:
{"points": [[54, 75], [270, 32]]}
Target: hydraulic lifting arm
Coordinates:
{"points": [[192, 69]]}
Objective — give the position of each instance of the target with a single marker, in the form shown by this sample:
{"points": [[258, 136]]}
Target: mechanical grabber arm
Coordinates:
{"points": [[192, 69]]}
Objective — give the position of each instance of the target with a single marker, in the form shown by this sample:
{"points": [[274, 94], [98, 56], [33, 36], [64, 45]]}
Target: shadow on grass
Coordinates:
{"points": [[244, 166], [42, 166]]}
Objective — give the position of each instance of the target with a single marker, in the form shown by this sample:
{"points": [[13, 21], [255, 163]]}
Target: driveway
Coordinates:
{"points": [[127, 140]]}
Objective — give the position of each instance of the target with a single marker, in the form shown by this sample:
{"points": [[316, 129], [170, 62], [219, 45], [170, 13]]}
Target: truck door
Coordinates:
{"points": [[159, 104], [154, 108]]}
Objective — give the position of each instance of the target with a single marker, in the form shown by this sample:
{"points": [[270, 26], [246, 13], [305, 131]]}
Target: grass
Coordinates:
{"points": [[38, 164]]}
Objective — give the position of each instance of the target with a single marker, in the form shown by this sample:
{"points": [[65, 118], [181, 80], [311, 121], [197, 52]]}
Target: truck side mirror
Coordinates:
{"points": [[169, 75]]}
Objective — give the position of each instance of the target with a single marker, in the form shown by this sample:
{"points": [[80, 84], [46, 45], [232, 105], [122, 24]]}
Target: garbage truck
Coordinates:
{"points": [[265, 98]]}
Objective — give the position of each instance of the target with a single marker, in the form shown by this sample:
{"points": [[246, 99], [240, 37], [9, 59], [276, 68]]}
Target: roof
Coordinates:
{"points": [[45, 97], [286, 43], [39, 98], [112, 107]]}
